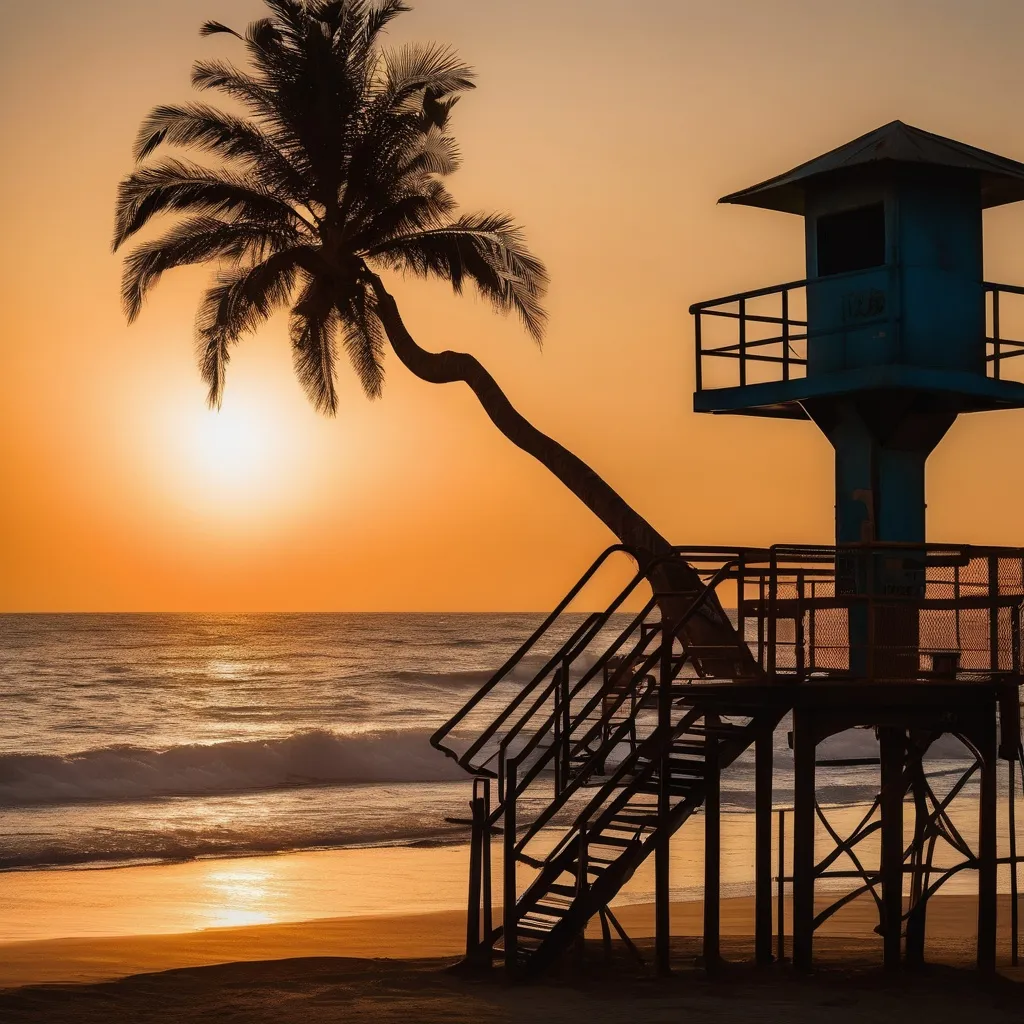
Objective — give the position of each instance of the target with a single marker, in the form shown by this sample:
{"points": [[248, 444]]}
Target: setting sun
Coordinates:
{"points": [[240, 464], [235, 452]]}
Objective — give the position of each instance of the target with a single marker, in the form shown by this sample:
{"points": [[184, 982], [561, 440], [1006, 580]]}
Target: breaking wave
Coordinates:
{"points": [[315, 757]]}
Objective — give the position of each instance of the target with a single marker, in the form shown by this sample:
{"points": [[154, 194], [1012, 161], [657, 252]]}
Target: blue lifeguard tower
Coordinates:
{"points": [[623, 733], [894, 345]]}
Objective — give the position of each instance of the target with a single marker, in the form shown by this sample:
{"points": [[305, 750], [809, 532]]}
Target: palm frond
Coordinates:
{"points": [[236, 305], [201, 126], [435, 70], [177, 185], [313, 329], [212, 28], [196, 240], [364, 339], [435, 152], [378, 18], [487, 249], [223, 76], [426, 203]]}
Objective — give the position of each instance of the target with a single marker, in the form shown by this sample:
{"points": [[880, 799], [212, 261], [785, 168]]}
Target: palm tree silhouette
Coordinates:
{"points": [[335, 174]]}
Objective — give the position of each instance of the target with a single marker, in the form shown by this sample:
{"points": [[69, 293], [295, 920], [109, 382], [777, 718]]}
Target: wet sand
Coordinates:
{"points": [[397, 968], [378, 970]]}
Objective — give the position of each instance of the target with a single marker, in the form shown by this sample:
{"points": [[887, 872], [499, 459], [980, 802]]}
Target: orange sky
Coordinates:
{"points": [[609, 130]]}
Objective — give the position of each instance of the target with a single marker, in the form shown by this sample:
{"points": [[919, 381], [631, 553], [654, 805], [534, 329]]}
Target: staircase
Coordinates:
{"points": [[618, 829], [616, 739]]}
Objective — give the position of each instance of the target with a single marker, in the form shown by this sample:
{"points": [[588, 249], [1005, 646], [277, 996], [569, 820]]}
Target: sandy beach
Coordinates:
{"points": [[394, 967]]}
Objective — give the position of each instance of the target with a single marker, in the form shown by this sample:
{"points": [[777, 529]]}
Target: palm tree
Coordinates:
{"points": [[332, 175]]}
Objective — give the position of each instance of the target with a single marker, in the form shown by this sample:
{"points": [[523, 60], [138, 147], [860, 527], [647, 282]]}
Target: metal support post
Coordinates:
{"points": [[892, 746], [486, 872], [510, 895], [919, 877], [781, 882], [476, 840], [1014, 909], [804, 743], [763, 846], [987, 851], [662, 849], [712, 845]]}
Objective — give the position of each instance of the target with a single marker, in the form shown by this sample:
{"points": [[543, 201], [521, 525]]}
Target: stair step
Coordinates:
{"points": [[724, 728], [559, 889], [548, 910], [638, 818], [535, 933], [601, 839], [676, 788], [695, 748]]}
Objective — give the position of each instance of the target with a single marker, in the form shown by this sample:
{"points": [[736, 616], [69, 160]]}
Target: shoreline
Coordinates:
{"points": [[437, 935]]}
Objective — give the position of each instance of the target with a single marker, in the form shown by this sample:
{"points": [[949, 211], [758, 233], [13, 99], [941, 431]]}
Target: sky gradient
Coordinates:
{"points": [[609, 130]]}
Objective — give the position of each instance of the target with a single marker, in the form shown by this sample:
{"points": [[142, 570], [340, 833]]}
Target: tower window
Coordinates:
{"points": [[851, 240]]}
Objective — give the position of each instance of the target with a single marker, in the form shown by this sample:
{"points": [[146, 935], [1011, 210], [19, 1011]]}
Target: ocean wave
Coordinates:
{"points": [[459, 678], [135, 849], [315, 757]]}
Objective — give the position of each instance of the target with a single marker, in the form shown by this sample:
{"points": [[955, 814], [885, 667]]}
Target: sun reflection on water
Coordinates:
{"points": [[240, 896]]}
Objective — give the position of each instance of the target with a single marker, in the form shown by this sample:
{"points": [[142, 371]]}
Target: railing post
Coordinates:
{"points": [[993, 613], [762, 613], [743, 342], [741, 594], [566, 723], [1014, 641], [798, 627], [556, 730], [811, 632], [699, 350], [996, 347], [785, 334], [510, 895]]}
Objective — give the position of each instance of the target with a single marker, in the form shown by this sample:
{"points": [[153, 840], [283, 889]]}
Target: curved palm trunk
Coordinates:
{"points": [[712, 627]]}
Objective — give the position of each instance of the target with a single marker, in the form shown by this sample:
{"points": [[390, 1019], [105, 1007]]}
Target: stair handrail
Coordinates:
{"points": [[528, 689], [545, 727], [642, 574], [541, 698], [577, 642], [437, 738], [591, 626], [534, 770]]}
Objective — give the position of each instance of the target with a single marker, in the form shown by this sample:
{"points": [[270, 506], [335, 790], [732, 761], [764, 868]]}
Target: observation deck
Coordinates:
{"points": [[756, 356]]}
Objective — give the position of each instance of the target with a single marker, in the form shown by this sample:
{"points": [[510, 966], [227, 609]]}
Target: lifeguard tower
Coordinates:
{"points": [[627, 728]]}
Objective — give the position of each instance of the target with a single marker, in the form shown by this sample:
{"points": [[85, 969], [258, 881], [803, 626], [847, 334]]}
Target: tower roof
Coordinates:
{"points": [[1002, 180]]}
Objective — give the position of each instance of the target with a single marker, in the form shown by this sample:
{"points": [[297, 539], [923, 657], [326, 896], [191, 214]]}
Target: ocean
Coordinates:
{"points": [[141, 739]]}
